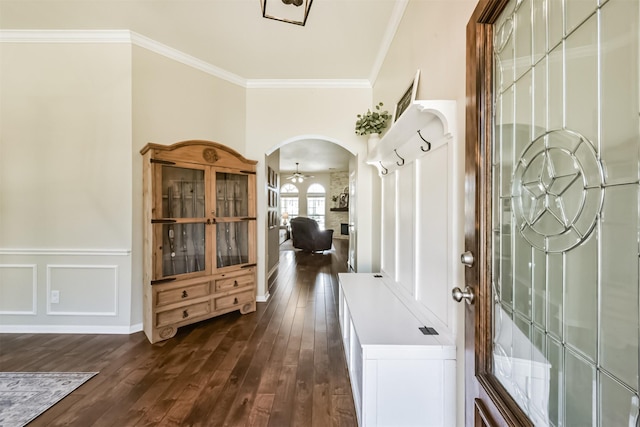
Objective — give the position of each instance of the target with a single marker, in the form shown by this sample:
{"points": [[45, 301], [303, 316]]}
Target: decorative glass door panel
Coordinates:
{"points": [[232, 243], [183, 192], [183, 248], [565, 219], [181, 224], [231, 195]]}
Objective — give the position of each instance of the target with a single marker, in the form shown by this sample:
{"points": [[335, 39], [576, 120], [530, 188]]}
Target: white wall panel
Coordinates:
{"points": [[85, 290], [388, 232], [432, 228], [405, 239], [18, 286]]}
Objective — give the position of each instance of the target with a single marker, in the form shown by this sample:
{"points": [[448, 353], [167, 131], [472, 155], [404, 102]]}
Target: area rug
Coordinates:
{"points": [[25, 395], [287, 245]]}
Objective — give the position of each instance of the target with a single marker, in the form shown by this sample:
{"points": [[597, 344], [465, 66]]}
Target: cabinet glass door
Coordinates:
{"points": [[233, 223], [232, 243], [182, 221], [232, 190]]}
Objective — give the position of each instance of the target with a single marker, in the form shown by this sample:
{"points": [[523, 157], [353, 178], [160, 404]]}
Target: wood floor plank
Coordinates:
{"points": [[343, 412], [307, 339], [129, 375], [271, 373], [241, 407], [284, 400], [261, 411], [321, 400], [303, 402], [338, 375], [292, 352], [282, 365], [134, 407]]}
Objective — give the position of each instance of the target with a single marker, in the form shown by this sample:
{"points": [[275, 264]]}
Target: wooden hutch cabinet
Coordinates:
{"points": [[199, 234]]}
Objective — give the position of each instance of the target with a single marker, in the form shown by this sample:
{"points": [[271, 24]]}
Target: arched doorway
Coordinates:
{"points": [[307, 163]]}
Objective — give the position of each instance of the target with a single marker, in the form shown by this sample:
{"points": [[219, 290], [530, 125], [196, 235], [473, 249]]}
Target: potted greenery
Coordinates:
{"points": [[372, 122]]}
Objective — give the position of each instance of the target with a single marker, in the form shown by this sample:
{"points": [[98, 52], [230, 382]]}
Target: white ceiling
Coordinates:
{"points": [[343, 40], [314, 156]]}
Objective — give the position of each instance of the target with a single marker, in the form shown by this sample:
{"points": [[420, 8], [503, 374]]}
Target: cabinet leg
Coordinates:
{"points": [[248, 307], [167, 332]]}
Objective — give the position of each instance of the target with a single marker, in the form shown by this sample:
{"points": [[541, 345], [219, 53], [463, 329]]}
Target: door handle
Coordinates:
{"points": [[468, 295], [467, 259]]}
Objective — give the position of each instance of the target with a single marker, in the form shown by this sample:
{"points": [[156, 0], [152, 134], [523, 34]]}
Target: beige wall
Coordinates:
{"points": [[74, 118], [278, 116], [273, 234], [173, 102], [66, 132], [65, 183]]}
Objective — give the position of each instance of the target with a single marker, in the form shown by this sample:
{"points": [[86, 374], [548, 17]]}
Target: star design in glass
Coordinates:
{"points": [[545, 192]]}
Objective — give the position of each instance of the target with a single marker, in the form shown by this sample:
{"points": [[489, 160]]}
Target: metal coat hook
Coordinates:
{"points": [[428, 143], [398, 163], [386, 171]]}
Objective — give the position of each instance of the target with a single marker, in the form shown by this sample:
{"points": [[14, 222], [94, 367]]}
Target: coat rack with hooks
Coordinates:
{"points": [[424, 126]]}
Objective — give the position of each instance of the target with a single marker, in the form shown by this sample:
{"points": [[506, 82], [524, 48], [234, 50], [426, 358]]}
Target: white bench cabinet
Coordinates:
{"points": [[399, 376]]}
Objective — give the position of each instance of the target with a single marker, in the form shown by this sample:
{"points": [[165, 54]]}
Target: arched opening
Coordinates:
{"points": [[311, 173]]}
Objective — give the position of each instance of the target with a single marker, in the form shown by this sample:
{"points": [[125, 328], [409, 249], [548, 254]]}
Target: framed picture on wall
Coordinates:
{"points": [[407, 98], [269, 176], [271, 199], [344, 200]]}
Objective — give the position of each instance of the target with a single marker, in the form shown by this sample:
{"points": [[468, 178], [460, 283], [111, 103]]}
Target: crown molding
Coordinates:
{"points": [[131, 37], [171, 53], [308, 84], [65, 36], [118, 36]]}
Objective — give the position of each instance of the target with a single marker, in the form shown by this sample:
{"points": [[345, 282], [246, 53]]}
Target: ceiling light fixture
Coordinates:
{"points": [[291, 11], [297, 176]]}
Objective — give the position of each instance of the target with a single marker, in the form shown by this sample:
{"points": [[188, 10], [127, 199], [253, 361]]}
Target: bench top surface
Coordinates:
{"points": [[380, 318]]}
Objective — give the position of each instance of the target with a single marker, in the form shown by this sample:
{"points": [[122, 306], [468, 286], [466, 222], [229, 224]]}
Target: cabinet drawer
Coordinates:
{"points": [[178, 315], [229, 283], [183, 293], [234, 300]]}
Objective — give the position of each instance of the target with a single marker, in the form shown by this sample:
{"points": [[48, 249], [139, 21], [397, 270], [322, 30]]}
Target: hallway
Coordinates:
{"points": [[280, 366]]}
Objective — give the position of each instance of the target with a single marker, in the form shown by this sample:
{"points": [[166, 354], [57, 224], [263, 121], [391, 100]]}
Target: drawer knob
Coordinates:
{"points": [[185, 314], [235, 300], [235, 283], [184, 294]]}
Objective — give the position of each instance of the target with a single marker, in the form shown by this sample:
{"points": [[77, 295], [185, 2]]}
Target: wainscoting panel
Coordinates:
{"points": [[83, 290], [18, 289], [93, 287]]}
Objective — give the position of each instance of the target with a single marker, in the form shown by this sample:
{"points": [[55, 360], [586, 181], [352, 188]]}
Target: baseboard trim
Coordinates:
{"points": [[70, 329], [263, 298], [63, 251]]}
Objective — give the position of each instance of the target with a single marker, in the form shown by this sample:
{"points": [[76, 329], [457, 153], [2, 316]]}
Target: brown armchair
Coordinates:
{"points": [[306, 235]]}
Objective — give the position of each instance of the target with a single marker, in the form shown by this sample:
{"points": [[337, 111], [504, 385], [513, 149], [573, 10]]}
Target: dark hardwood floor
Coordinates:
{"points": [[280, 366]]}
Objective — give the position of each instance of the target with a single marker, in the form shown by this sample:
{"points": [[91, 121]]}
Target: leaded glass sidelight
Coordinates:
{"points": [[565, 219]]}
